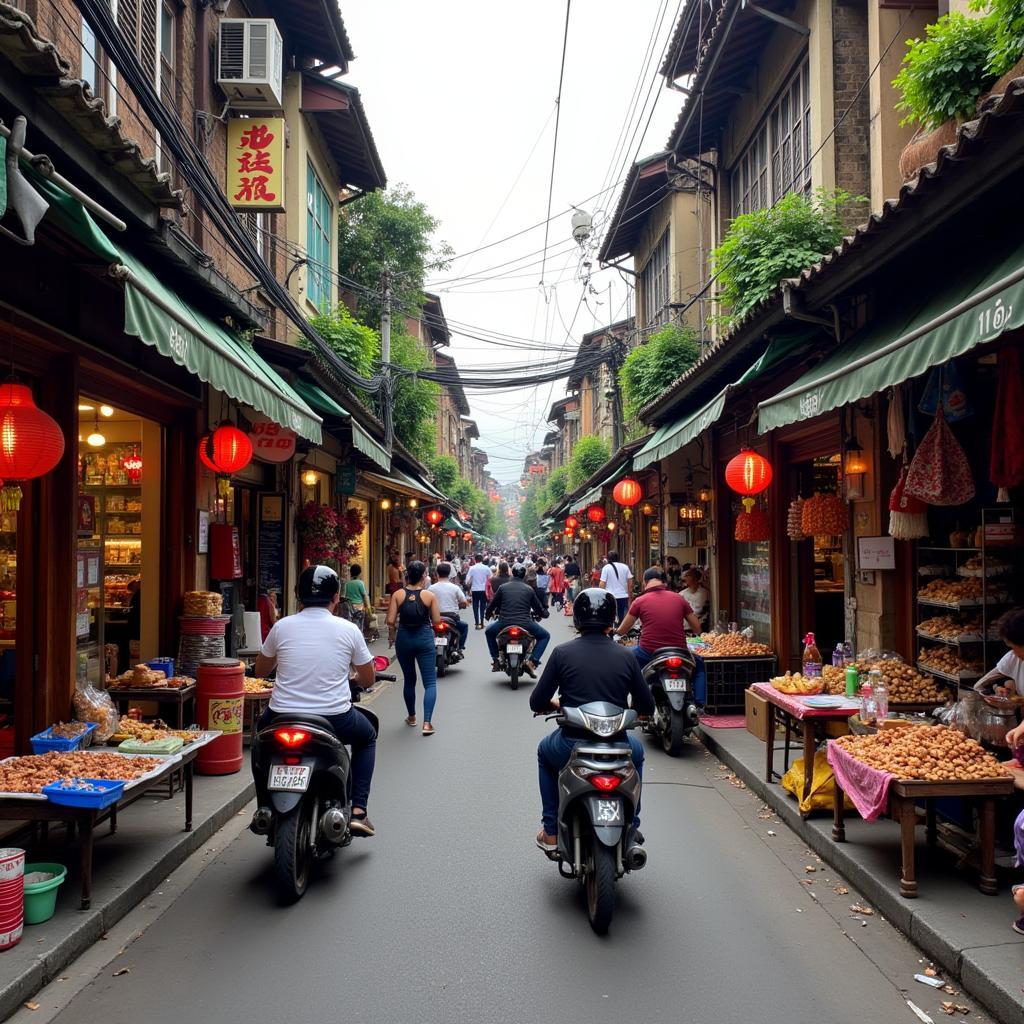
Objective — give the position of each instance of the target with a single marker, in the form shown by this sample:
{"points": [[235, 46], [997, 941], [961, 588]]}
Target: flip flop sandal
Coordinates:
{"points": [[410, 720], [428, 729]]}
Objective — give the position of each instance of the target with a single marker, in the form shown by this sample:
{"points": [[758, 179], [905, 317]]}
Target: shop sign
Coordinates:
{"points": [[876, 553], [270, 441], [345, 479], [255, 172]]}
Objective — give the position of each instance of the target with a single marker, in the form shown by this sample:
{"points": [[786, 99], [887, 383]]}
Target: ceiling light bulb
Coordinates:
{"points": [[309, 478], [107, 410], [86, 408], [96, 439]]}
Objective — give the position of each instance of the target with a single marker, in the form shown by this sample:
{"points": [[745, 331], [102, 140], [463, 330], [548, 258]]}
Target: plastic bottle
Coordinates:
{"points": [[880, 694], [838, 658], [852, 681], [868, 711], [848, 658], [811, 658]]}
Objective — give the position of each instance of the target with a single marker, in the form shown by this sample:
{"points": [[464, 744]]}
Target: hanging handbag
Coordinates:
{"points": [[939, 473]]}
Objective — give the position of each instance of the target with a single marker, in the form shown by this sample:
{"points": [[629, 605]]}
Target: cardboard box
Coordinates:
{"points": [[757, 715]]}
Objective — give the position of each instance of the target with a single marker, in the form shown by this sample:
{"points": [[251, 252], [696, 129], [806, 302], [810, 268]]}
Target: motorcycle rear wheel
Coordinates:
{"points": [[293, 855], [442, 666], [674, 735], [513, 675], [599, 886]]}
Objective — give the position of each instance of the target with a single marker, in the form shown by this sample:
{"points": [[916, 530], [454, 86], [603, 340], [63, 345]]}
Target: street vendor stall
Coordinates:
{"points": [[732, 662]]}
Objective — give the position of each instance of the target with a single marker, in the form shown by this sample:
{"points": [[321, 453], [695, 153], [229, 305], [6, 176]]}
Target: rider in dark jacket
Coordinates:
{"points": [[515, 604]]}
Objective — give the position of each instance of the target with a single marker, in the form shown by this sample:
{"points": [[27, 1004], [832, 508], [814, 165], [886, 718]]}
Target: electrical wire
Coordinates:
{"points": [[554, 146]]}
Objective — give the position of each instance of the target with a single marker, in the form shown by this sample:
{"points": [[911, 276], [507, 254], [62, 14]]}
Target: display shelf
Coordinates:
{"points": [[965, 639], [950, 606], [923, 666], [926, 547]]}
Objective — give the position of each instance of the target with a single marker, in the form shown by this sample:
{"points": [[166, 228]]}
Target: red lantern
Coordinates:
{"points": [[467, 536], [627, 492], [132, 465], [595, 514], [571, 522], [568, 531], [452, 533], [31, 442], [748, 473], [226, 451], [434, 517]]}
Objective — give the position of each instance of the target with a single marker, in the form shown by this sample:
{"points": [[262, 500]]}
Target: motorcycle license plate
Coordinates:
{"points": [[675, 684], [441, 641], [609, 812], [289, 777], [514, 648]]}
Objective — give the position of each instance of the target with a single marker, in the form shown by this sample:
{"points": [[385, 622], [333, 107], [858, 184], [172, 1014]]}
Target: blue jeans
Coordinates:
{"points": [[621, 609], [553, 753], [463, 633], [535, 629], [479, 606], [416, 646], [700, 675], [352, 728]]}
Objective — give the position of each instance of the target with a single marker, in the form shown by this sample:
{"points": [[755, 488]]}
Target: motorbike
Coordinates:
{"points": [[446, 644], [306, 807], [669, 674], [515, 645], [599, 790]]}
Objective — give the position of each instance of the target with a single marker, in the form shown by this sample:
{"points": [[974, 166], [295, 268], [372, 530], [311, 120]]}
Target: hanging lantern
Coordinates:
{"points": [[385, 504], [467, 536], [571, 522], [647, 509], [748, 473], [132, 466], [413, 503], [627, 492], [568, 531], [226, 451], [704, 494], [434, 517], [655, 531], [31, 442], [451, 533], [595, 514]]}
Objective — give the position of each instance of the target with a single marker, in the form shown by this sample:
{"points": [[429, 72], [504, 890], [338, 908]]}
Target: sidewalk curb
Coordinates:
{"points": [[95, 922], [1000, 1001]]}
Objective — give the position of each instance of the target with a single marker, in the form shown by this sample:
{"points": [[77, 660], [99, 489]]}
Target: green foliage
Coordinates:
{"points": [[532, 510], [389, 231], [357, 344], [650, 368], [588, 456], [415, 404], [943, 74], [764, 246], [557, 485], [1007, 33], [445, 469]]}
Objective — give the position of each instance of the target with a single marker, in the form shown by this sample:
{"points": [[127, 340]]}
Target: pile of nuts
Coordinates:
{"points": [[951, 591], [30, 774], [733, 645], [949, 627], [931, 754], [946, 659], [254, 685], [905, 685]]}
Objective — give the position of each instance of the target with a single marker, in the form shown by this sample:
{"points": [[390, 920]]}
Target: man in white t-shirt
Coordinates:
{"points": [[476, 581], [450, 599], [615, 577], [314, 653], [696, 595]]}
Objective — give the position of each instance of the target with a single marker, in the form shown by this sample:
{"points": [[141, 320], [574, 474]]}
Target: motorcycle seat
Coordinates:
{"points": [[300, 718]]}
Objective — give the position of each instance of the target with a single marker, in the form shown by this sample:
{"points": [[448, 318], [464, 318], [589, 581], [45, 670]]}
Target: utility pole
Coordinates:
{"points": [[385, 358]]}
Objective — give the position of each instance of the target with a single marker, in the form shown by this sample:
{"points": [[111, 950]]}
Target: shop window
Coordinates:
{"points": [[319, 220], [654, 281], [97, 71]]}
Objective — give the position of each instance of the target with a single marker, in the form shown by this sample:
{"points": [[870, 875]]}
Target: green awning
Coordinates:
{"points": [[369, 446], [984, 300], [160, 317], [319, 399]]}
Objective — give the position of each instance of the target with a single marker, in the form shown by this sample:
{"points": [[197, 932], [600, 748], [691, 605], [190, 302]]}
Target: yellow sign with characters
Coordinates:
{"points": [[256, 163]]}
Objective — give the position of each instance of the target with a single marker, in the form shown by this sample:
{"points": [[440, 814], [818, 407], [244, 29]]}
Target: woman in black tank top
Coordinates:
{"points": [[412, 614]]}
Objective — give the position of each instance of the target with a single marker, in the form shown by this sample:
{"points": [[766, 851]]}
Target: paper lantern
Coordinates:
{"points": [[434, 517], [595, 514], [568, 531], [571, 522], [748, 473], [467, 536], [627, 492], [132, 466], [31, 442], [452, 533], [226, 451]]}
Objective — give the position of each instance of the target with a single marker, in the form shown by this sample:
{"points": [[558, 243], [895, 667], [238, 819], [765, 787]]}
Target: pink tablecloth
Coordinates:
{"points": [[867, 787], [794, 705]]}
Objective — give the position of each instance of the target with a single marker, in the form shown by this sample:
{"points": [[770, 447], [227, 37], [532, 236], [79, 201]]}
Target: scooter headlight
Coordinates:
{"points": [[602, 726]]}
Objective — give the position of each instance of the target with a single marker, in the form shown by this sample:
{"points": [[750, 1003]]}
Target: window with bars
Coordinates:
{"points": [[654, 281], [777, 160], [319, 219]]}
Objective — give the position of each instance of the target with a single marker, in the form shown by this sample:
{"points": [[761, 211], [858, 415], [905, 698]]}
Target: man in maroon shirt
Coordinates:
{"points": [[663, 616]]}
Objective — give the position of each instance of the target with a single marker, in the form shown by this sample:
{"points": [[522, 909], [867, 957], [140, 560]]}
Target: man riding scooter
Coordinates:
{"points": [[515, 604], [450, 600]]}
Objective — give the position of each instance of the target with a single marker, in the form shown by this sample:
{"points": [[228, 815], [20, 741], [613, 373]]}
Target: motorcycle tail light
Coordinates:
{"points": [[441, 627], [291, 737], [515, 633], [605, 783], [674, 663]]}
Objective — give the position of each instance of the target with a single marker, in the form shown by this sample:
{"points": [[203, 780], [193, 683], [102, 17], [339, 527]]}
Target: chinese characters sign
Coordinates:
{"points": [[256, 163]]}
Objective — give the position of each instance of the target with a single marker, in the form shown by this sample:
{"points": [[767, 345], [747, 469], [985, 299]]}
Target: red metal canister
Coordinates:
{"points": [[220, 704]]}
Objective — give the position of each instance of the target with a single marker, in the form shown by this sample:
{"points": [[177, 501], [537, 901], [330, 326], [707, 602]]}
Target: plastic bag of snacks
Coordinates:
{"points": [[92, 705]]}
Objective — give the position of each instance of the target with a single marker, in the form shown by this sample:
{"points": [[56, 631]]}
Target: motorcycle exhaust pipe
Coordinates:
{"points": [[333, 825], [636, 858], [693, 714], [262, 821]]}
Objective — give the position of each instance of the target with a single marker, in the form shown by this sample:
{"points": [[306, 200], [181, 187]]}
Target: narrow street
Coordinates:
{"points": [[451, 915]]}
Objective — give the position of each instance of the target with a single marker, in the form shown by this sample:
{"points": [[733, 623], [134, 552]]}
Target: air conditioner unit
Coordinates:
{"points": [[250, 63]]}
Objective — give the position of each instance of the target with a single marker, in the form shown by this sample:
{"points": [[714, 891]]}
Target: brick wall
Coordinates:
{"points": [[851, 66]]}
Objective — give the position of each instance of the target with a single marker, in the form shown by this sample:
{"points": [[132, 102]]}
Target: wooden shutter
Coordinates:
{"points": [[147, 38], [128, 21]]}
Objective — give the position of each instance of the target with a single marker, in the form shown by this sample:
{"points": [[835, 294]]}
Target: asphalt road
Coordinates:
{"points": [[450, 914]]}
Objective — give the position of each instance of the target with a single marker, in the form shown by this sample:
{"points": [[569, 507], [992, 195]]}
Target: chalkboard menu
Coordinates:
{"points": [[270, 556]]}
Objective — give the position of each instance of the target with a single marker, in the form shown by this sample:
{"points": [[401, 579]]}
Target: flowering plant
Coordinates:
{"points": [[350, 531], [319, 534]]}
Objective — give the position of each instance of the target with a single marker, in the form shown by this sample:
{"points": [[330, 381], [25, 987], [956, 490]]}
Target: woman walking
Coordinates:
{"points": [[412, 614]]}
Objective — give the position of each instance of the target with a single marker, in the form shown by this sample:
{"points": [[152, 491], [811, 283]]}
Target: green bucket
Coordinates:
{"points": [[41, 897]]}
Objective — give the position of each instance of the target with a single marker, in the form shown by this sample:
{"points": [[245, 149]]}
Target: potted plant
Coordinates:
{"points": [[319, 535], [940, 80]]}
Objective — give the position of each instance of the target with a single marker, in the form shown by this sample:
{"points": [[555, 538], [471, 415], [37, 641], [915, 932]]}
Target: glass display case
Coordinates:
{"points": [[752, 588]]}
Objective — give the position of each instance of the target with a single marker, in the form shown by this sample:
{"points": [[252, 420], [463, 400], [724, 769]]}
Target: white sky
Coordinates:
{"points": [[458, 93]]}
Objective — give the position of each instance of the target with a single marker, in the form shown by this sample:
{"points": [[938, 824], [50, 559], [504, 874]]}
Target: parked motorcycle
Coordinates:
{"points": [[599, 790], [669, 674], [446, 644], [306, 806], [515, 645]]}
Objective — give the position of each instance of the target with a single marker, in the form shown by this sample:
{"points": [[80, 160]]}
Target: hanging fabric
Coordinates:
{"points": [[897, 423], [908, 517], [945, 388], [1006, 464], [939, 473]]}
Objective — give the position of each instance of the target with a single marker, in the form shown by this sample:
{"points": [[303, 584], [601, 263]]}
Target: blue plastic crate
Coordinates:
{"points": [[165, 665], [106, 793], [45, 742]]}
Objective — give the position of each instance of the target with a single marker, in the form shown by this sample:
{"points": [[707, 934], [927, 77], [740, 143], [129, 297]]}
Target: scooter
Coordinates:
{"points": [[305, 805], [446, 644], [515, 645], [669, 674], [599, 790]]}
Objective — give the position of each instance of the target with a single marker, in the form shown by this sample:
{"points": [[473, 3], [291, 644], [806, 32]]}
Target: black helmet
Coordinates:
{"points": [[593, 610], [318, 585], [519, 571]]}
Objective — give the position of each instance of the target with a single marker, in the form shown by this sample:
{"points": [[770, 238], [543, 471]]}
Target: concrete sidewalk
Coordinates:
{"points": [[965, 932]]}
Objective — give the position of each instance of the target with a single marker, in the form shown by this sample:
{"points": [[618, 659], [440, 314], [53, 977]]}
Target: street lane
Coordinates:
{"points": [[451, 915]]}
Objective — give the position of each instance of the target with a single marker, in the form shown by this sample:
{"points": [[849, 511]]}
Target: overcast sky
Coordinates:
{"points": [[461, 99]]}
